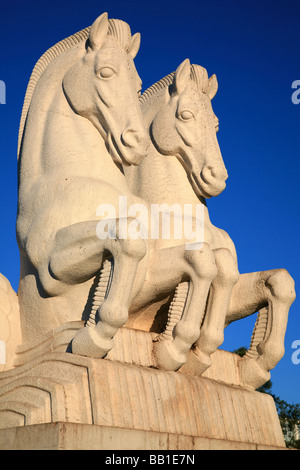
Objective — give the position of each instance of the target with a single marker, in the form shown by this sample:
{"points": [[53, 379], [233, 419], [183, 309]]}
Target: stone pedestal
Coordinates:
{"points": [[57, 400]]}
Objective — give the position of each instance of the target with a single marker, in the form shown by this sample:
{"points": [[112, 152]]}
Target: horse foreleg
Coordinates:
{"points": [[77, 256], [212, 328], [97, 340], [200, 267], [272, 292]]}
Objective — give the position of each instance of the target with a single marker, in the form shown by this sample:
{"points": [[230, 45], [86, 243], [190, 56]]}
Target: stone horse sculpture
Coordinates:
{"points": [[81, 123], [184, 165], [110, 239]]}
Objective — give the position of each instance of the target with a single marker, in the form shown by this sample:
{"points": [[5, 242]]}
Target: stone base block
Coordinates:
{"points": [[125, 400], [55, 399], [72, 436]]}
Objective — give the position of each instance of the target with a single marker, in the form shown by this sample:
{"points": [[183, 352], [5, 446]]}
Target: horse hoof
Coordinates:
{"points": [[167, 357], [251, 374], [197, 363], [89, 342]]}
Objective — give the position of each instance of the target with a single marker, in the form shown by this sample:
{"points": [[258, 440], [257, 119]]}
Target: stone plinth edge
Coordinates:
{"points": [[74, 436]]}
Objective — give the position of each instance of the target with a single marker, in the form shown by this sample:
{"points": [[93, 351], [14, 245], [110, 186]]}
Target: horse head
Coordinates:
{"points": [[103, 86], [186, 126]]}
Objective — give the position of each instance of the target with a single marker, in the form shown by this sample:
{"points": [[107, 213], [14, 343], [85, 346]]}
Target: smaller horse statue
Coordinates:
{"points": [[184, 165]]}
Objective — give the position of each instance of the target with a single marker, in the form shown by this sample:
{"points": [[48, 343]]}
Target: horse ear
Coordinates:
{"points": [[212, 87], [134, 45], [182, 76], [98, 32]]}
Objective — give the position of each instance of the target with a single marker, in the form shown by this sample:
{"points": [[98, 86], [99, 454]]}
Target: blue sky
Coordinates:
{"points": [[253, 48]]}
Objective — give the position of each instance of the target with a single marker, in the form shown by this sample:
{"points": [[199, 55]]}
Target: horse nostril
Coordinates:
{"points": [[213, 171], [217, 172], [131, 138]]}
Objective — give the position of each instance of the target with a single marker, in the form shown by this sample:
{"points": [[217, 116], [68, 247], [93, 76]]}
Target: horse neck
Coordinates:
{"points": [[160, 178], [58, 141]]}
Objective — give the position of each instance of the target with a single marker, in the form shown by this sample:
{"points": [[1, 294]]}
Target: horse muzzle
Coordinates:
{"points": [[212, 180], [134, 146]]}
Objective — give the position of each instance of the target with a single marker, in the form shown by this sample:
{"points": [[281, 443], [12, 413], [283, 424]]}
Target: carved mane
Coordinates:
{"points": [[153, 89], [117, 28], [199, 77]]}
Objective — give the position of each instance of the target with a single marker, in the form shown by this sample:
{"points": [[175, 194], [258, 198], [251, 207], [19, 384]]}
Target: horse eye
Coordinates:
{"points": [[106, 72], [186, 115]]}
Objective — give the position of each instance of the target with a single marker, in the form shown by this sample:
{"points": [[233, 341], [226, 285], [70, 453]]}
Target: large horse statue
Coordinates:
{"points": [[81, 122]]}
